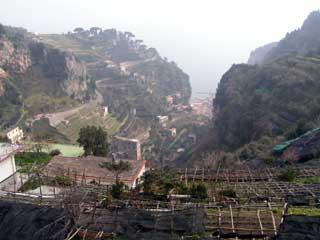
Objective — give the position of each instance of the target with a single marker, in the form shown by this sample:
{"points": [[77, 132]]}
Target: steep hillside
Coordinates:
{"points": [[258, 55], [304, 41], [272, 98], [253, 101], [128, 74], [35, 77]]}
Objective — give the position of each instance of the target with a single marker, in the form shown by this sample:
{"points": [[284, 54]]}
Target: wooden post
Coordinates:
{"points": [[94, 212], [186, 176], [202, 174], [171, 223], [194, 174], [231, 216], [83, 177], [219, 218], [260, 223], [85, 234], [219, 221], [21, 180], [14, 184], [40, 189], [217, 175], [273, 219]]}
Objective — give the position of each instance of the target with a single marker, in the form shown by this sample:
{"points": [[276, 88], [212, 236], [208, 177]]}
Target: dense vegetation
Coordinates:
{"points": [[94, 141], [279, 98], [158, 184]]}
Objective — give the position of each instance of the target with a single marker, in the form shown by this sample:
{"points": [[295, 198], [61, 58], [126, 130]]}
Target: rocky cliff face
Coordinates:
{"points": [[61, 67], [37, 76], [14, 60], [269, 99]]}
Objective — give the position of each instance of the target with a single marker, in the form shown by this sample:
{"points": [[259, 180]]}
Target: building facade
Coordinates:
{"points": [[7, 161], [15, 135], [126, 148]]}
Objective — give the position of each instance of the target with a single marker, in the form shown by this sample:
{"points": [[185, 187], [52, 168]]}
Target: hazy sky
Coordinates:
{"points": [[205, 37]]}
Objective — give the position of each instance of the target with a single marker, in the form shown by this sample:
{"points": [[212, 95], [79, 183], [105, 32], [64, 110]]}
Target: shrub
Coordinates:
{"points": [[229, 193], [269, 160], [63, 181], [106, 201], [301, 128], [288, 176], [199, 191], [118, 189], [31, 184], [55, 152], [30, 158]]}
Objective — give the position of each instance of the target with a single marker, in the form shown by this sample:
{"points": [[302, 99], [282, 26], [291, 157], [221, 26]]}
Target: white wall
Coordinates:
{"points": [[142, 171], [7, 168]]}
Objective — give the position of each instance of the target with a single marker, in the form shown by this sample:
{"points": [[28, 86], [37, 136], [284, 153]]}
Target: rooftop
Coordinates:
{"points": [[126, 139], [6, 149], [90, 167]]}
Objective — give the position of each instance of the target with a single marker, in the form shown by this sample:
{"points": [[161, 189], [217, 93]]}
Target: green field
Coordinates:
{"points": [[311, 211], [67, 150], [88, 116]]}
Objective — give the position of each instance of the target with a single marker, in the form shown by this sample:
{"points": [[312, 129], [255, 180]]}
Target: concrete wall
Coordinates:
{"points": [[130, 148], [7, 168], [140, 174]]}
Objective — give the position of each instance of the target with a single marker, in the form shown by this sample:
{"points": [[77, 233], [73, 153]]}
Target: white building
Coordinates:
{"points": [[173, 132], [7, 162], [15, 135], [162, 120], [106, 111]]}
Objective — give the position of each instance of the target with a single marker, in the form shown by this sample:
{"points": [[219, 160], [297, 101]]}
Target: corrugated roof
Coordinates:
{"points": [[283, 146]]}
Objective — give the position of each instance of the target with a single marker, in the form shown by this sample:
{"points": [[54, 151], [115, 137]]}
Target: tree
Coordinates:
{"points": [[301, 128], [199, 191], [117, 190], [94, 141], [78, 30], [117, 168], [2, 30], [95, 31]]}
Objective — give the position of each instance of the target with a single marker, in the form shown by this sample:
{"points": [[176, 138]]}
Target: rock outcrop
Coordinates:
{"points": [[37, 76]]}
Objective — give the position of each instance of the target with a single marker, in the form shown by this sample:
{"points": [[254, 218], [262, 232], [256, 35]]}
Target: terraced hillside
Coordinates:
{"points": [[128, 74]]}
